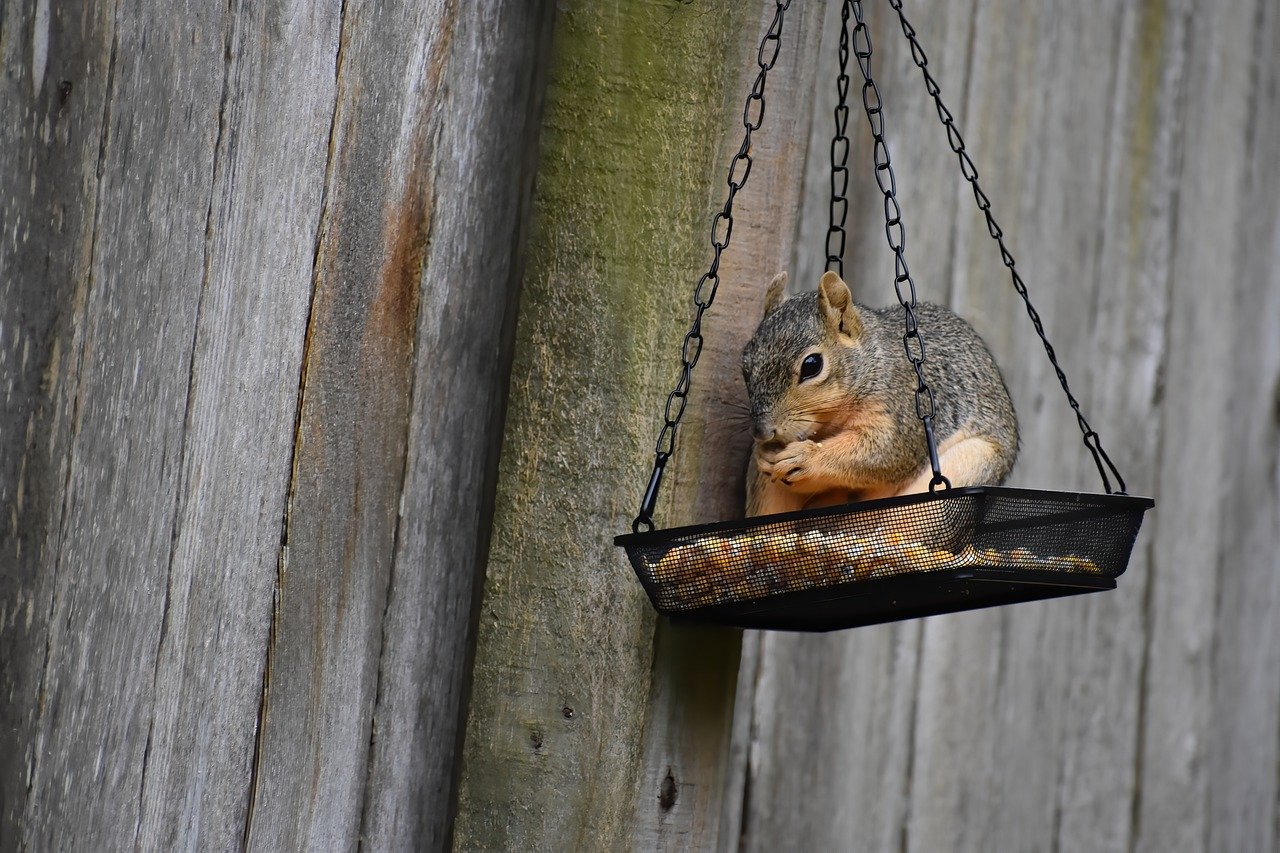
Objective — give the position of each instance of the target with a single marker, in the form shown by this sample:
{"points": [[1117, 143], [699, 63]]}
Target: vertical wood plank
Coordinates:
{"points": [[182, 371], [686, 783], [1172, 805], [564, 649], [53, 88], [957, 724], [1075, 663], [1067, 707], [274, 117], [1243, 751], [572, 692], [400, 411], [833, 713], [140, 307], [352, 428], [152, 349], [484, 161], [1102, 700], [1144, 718]]}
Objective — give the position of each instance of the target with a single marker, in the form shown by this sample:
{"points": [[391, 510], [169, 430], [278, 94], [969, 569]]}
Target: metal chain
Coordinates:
{"points": [[895, 233], [840, 156], [970, 172], [705, 292]]}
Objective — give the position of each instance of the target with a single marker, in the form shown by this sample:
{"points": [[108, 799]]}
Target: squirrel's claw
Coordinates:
{"points": [[789, 464]]}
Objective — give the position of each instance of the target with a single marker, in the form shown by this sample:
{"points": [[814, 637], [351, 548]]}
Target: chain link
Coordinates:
{"points": [[840, 156], [970, 172], [904, 285], [705, 292]]}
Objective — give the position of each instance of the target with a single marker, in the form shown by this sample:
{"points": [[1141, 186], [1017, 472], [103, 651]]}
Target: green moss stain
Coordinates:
{"points": [[1150, 60], [632, 129]]}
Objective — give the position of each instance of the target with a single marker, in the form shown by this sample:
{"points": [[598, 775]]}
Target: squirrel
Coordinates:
{"points": [[832, 402]]}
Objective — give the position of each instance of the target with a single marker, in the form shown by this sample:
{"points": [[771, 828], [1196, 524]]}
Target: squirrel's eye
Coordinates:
{"points": [[811, 366]]}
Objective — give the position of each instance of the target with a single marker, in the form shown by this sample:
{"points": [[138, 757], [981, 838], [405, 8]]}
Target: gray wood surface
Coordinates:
{"points": [[485, 156], [1242, 743], [269, 171], [1123, 148], [49, 154], [260, 274], [131, 365], [218, 587]]}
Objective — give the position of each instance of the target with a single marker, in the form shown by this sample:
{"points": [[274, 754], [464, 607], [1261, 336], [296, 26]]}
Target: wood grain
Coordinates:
{"points": [[484, 162], [1245, 667], [259, 277], [137, 327], [274, 118], [405, 367], [352, 430], [183, 365], [169, 209], [49, 152], [817, 731], [1173, 788]]}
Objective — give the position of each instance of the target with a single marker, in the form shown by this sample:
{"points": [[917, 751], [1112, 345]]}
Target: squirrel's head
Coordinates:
{"points": [[798, 365]]}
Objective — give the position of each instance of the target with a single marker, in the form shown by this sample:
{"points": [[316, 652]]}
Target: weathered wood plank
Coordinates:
{"points": [[152, 351], [486, 131], [622, 139], [1101, 699], [137, 324], [1145, 718], [348, 459], [1172, 802], [415, 263], [1075, 774], [158, 228], [193, 318], [635, 130], [53, 85], [275, 113], [1243, 748], [957, 725], [1066, 698]]}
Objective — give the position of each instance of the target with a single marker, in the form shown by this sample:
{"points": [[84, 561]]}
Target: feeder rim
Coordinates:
{"points": [[1118, 502]]}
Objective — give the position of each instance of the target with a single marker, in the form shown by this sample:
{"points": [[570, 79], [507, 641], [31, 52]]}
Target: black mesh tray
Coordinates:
{"points": [[881, 561]]}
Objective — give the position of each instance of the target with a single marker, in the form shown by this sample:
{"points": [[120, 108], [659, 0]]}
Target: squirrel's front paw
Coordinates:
{"points": [[790, 464]]}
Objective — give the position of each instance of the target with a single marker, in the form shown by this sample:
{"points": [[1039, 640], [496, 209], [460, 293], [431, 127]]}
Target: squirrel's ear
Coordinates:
{"points": [[775, 295], [836, 306]]}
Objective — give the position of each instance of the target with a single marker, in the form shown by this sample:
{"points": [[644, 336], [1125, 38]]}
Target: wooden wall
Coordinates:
{"points": [[259, 274]]}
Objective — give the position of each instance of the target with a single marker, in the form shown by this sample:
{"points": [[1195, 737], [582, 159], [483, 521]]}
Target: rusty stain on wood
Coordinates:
{"points": [[394, 312]]}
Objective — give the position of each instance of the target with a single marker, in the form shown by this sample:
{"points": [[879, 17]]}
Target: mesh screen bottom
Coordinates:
{"points": [[1016, 530]]}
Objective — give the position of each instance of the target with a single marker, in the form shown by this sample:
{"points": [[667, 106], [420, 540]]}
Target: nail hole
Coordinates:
{"points": [[668, 792]]}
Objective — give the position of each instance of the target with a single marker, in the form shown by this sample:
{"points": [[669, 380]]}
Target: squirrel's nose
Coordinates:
{"points": [[762, 430]]}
